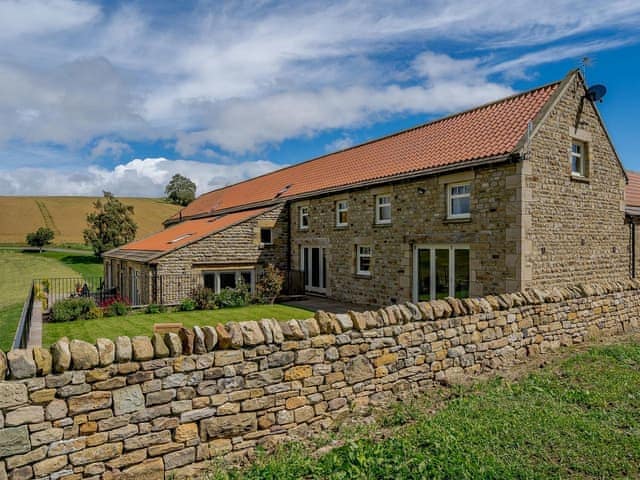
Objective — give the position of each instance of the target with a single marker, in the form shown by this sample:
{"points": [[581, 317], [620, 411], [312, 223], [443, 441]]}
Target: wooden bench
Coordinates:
{"points": [[163, 328]]}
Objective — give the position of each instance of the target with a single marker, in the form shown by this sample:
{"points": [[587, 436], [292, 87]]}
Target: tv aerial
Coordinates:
{"points": [[596, 92]]}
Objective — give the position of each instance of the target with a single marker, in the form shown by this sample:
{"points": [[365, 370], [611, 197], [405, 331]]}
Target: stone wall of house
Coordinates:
{"points": [[180, 271], [239, 244], [419, 216], [165, 407], [575, 229]]}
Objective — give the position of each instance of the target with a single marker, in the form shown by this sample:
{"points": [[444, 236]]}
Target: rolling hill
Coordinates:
{"points": [[66, 216]]}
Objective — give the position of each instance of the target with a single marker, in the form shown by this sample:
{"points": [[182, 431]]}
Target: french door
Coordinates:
{"points": [[440, 271], [313, 261]]}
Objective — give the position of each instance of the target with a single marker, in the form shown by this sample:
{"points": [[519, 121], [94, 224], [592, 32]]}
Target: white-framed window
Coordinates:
{"points": [[363, 260], [304, 218], [266, 236], [342, 209], [578, 157], [383, 209], [459, 200], [221, 279]]}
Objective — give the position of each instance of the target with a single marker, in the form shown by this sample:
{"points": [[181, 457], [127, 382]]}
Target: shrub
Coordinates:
{"points": [[155, 308], [71, 309], [269, 285], [234, 297], [95, 312], [117, 309], [187, 305], [116, 306], [204, 298]]}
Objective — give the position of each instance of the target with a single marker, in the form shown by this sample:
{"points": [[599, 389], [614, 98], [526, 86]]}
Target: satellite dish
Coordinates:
{"points": [[596, 92]]}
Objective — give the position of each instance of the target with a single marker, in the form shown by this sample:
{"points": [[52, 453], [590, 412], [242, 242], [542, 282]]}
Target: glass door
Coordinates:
{"points": [[440, 271], [313, 261]]}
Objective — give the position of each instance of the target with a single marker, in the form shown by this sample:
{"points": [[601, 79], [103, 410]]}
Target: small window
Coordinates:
{"points": [[363, 260], [265, 236], [459, 200], [578, 159], [342, 208], [383, 209], [304, 218]]}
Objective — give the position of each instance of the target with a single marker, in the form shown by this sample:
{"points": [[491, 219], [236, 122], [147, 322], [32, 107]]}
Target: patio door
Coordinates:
{"points": [[314, 265], [440, 271]]}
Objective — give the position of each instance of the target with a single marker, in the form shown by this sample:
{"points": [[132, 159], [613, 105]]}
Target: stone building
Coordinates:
{"points": [[522, 192]]}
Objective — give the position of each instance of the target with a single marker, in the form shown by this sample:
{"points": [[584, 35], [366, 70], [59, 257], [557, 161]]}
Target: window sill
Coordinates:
{"points": [[362, 276], [384, 224], [579, 178], [341, 227], [457, 220]]}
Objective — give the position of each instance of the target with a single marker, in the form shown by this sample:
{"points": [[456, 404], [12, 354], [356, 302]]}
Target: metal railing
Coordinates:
{"points": [[137, 289], [21, 338], [51, 290]]}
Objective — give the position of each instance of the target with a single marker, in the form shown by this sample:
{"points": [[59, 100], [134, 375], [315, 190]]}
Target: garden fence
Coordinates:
{"points": [[136, 289]]}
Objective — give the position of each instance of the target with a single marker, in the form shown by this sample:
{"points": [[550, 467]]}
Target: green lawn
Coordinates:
{"points": [[579, 418], [17, 269], [142, 324]]}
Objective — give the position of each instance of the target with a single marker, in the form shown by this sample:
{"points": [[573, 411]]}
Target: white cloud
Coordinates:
{"points": [[244, 125], [38, 17], [239, 76], [439, 66], [138, 178], [111, 148], [339, 143]]}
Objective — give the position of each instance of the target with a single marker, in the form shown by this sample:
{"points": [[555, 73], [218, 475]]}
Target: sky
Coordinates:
{"points": [[120, 96]]}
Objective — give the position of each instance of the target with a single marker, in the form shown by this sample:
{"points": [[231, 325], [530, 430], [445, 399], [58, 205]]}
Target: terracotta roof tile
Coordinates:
{"points": [[484, 132], [188, 231], [632, 190]]}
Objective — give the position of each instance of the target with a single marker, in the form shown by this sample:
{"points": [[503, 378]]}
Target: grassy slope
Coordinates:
{"points": [[142, 324], [578, 419], [16, 272], [21, 215]]}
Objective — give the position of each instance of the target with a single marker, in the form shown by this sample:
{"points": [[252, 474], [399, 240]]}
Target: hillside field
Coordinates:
{"points": [[66, 216], [17, 269]]}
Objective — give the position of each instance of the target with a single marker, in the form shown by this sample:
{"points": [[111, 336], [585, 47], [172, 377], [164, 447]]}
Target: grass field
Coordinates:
{"points": [[577, 418], [142, 324], [17, 269], [66, 216]]}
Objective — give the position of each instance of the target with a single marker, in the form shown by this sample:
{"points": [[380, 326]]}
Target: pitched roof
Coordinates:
{"points": [[632, 190], [181, 234], [484, 132]]}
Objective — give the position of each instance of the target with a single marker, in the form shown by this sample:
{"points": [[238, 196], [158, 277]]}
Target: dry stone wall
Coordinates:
{"points": [[164, 407]]}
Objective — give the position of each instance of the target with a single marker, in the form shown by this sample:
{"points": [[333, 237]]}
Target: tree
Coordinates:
{"points": [[180, 190], [110, 226], [41, 237]]}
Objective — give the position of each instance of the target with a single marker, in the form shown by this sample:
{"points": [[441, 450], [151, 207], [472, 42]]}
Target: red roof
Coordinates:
{"points": [[487, 131], [632, 190], [186, 232]]}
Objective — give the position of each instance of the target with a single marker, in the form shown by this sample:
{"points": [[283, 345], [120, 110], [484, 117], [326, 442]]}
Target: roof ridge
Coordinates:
{"points": [[390, 135]]}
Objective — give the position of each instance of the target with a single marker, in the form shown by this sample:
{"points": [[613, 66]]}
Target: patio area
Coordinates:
{"points": [[314, 303]]}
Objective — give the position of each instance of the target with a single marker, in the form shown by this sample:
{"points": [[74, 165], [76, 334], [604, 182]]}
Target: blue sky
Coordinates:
{"points": [[120, 96]]}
